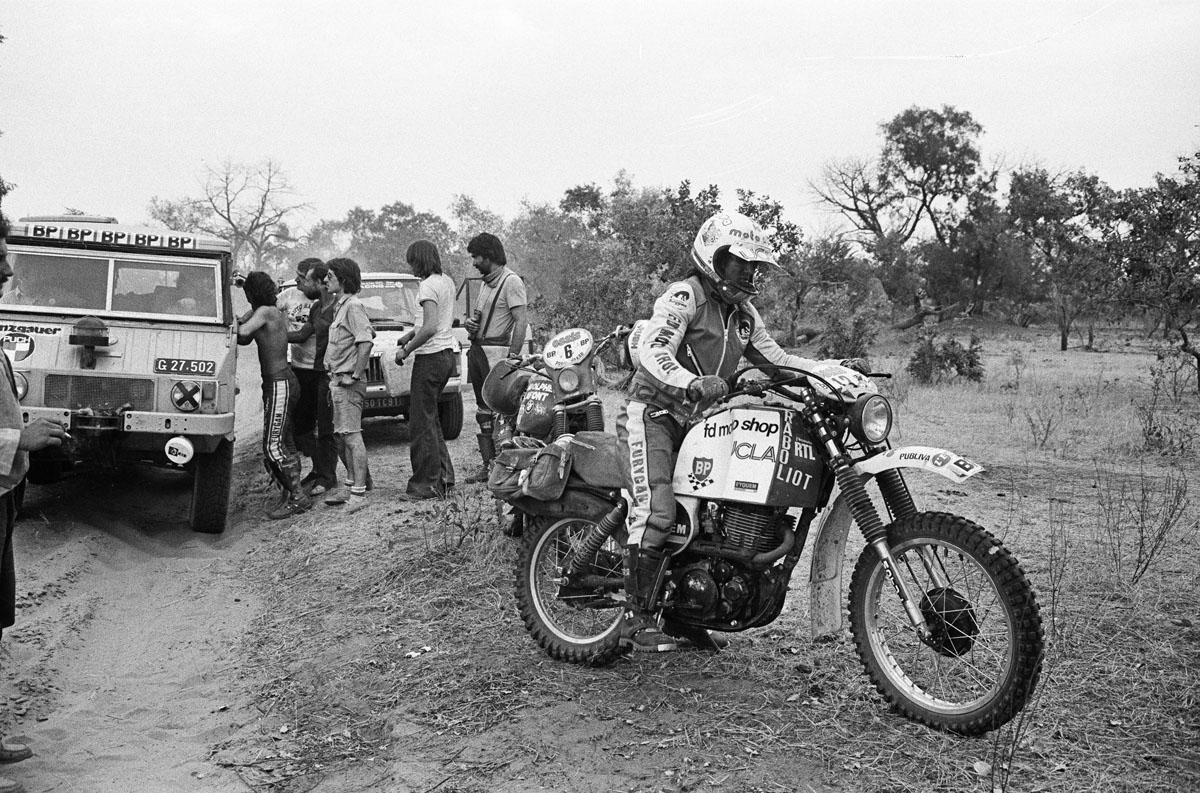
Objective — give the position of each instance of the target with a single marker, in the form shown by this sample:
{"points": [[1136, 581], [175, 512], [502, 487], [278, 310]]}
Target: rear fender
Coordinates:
{"points": [[832, 529]]}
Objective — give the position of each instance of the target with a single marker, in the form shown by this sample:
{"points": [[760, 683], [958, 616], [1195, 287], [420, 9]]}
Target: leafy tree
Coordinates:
{"points": [[1057, 215], [932, 158], [928, 164], [1154, 234], [925, 176], [378, 240]]}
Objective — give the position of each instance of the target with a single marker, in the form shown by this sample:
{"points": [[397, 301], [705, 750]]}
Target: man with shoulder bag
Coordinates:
{"points": [[498, 328]]}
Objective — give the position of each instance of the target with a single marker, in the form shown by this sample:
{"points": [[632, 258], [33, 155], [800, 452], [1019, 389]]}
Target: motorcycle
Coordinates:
{"points": [[554, 392], [548, 395], [943, 618]]}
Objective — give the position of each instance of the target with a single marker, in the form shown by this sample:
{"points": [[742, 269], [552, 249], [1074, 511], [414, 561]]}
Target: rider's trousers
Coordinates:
{"points": [[650, 439]]}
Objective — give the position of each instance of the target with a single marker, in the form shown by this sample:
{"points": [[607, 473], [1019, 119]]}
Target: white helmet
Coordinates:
{"points": [[731, 233]]}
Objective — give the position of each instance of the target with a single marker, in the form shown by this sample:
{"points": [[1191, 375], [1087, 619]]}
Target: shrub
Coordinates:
{"points": [[933, 363], [1168, 413], [848, 330]]}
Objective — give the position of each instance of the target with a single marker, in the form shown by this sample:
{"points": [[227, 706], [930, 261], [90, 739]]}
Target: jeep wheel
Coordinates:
{"points": [[210, 489], [450, 414]]}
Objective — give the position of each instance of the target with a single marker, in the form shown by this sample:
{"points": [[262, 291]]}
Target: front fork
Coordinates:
{"points": [[862, 509]]}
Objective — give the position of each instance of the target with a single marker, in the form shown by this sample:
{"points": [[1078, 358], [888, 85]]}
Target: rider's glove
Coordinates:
{"points": [[707, 388], [857, 364]]}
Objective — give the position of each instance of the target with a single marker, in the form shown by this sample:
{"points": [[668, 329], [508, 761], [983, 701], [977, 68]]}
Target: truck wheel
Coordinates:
{"points": [[450, 414], [45, 472], [210, 489]]}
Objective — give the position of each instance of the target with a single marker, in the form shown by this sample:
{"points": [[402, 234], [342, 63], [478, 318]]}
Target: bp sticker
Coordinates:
{"points": [[19, 346]]}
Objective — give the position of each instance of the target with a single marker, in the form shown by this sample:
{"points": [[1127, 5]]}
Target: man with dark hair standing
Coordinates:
{"points": [[499, 323], [315, 330], [16, 441], [296, 303], [267, 327], [346, 358]]}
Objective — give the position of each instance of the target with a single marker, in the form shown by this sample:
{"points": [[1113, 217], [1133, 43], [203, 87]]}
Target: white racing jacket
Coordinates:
{"points": [[690, 335]]}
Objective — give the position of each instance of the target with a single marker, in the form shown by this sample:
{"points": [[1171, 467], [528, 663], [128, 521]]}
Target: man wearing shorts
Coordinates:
{"points": [[346, 358]]}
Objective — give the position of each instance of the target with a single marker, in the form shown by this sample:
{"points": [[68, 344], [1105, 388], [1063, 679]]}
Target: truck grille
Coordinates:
{"points": [[375, 369], [102, 394]]}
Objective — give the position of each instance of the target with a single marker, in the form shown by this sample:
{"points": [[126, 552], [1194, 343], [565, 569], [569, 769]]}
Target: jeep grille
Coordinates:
{"points": [[375, 370], [101, 394]]}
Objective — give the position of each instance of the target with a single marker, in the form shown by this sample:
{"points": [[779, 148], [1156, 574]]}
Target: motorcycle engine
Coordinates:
{"points": [[712, 589], [750, 527]]}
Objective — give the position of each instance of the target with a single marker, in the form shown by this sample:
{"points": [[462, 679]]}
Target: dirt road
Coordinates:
{"points": [[122, 667]]}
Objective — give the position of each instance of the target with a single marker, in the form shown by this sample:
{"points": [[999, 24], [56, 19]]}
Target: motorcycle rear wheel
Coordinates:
{"points": [[560, 622], [982, 663]]}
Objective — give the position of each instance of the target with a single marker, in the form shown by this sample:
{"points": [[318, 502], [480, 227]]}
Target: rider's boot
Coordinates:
{"points": [[644, 569]]}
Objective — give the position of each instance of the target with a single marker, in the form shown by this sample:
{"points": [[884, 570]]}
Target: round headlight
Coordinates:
{"points": [[185, 395], [568, 380], [874, 418], [22, 385]]}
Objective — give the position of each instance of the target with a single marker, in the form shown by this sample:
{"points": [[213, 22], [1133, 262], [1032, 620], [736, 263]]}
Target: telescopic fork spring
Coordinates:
{"points": [[864, 512]]}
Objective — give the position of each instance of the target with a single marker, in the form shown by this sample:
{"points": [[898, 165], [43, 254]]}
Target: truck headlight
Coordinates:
{"points": [[22, 385], [871, 418]]}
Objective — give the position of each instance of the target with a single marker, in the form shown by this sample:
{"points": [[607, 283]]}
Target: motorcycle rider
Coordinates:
{"points": [[700, 330]]}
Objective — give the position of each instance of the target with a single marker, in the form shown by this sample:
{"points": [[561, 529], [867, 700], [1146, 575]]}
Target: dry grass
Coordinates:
{"points": [[400, 630]]}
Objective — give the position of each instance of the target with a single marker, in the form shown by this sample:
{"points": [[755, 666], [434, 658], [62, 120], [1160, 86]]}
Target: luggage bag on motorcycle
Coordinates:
{"points": [[538, 472]]}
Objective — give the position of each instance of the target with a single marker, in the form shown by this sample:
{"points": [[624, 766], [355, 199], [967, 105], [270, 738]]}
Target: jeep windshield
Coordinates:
{"points": [[66, 282], [391, 301]]}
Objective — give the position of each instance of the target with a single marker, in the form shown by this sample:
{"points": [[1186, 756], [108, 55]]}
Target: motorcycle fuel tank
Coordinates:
{"points": [[751, 454]]}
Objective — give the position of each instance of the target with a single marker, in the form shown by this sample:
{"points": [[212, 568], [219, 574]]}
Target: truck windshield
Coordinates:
{"points": [[391, 301], [69, 283]]}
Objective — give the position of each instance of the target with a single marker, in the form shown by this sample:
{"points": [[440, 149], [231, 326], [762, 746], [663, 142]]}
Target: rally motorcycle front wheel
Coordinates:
{"points": [[580, 623], [979, 664]]}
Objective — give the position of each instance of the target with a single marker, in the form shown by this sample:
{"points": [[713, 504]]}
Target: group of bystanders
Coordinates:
{"points": [[313, 397]]}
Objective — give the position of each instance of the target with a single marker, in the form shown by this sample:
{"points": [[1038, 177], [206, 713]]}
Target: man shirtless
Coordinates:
{"points": [[268, 328]]}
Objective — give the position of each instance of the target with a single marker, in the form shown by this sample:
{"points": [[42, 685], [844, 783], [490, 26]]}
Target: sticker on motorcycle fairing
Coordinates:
{"points": [[850, 384], [701, 468], [567, 348], [18, 346], [751, 454], [946, 463]]}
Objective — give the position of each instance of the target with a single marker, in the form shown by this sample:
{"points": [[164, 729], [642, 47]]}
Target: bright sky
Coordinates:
{"points": [[366, 102]]}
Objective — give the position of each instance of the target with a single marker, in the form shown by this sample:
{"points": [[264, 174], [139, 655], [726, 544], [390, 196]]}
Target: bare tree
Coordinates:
{"points": [[247, 204], [252, 202]]}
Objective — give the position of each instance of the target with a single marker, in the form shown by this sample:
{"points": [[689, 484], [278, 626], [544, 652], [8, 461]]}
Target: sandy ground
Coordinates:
{"points": [[122, 667]]}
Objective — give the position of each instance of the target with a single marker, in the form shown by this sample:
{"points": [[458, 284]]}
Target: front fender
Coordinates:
{"points": [[832, 528], [928, 458]]}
